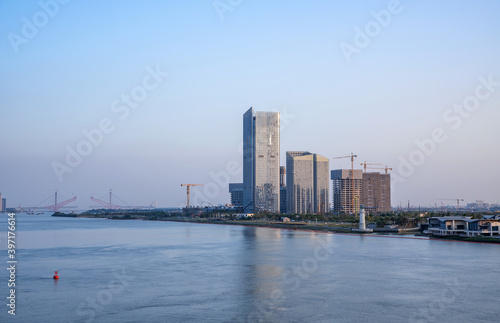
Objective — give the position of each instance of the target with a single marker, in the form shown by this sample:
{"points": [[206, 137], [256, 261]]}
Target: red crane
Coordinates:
{"points": [[106, 204], [57, 206]]}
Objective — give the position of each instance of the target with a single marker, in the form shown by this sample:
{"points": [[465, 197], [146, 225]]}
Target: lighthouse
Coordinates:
{"points": [[362, 223]]}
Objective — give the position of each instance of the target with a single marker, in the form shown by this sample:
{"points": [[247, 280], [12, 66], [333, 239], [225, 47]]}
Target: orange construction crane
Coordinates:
{"points": [[365, 163], [188, 187], [458, 201], [352, 156], [386, 168]]}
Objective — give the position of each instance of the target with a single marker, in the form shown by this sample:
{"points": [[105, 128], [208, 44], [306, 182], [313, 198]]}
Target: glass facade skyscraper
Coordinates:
{"points": [[261, 161], [307, 183]]}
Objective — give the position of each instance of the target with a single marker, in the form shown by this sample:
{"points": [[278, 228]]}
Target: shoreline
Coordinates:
{"points": [[304, 227]]}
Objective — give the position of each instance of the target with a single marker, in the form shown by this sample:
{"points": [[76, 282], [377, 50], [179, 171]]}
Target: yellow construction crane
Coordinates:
{"points": [[188, 187], [458, 201], [365, 163], [352, 156], [386, 168]]}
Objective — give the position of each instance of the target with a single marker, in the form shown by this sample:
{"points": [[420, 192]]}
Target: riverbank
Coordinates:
{"points": [[339, 228]]}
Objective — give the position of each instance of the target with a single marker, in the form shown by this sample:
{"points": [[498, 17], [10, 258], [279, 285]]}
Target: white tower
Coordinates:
{"points": [[362, 224]]}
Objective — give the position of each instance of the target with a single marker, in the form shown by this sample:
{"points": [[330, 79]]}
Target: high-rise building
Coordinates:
{"points": [[283, 189], [346, 190], [376, 192], [236, 192], [307, 182], [299, 165], [261, 161], [4, 204], [282, 176], [321, 184], [1, 203], [283, 199]]}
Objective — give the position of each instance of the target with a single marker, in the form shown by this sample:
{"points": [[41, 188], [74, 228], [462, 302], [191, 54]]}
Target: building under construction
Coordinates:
{"points": [[346, 190], [370, 189], [376, 192]]}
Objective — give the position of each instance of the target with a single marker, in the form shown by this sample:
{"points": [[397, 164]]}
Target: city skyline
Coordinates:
{"points": [[153, 97]]}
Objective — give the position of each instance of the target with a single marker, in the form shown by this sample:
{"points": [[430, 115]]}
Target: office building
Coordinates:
{"points": [[1, 203], [282, 176], [283, 199], [346, 190], [321, 169], [307, 183], [4, 204], [236, 192], [376, 192], [261, 161]]}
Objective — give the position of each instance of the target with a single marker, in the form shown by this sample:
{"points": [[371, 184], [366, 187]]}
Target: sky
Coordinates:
{"points": [[142, 96]]}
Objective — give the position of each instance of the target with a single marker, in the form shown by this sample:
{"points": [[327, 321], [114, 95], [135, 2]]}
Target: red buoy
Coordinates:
{"points": [[56, 276]]}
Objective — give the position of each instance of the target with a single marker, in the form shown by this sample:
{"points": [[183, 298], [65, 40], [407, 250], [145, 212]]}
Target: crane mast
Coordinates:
{"points": [[352, 209], [188, 186]]}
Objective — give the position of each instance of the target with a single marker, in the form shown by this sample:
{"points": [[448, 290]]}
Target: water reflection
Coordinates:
{"points": [[261, 271]]}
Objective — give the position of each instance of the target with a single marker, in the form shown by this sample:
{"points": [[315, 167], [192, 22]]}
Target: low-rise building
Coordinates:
{"points": [[465, 226], [236, 192]]}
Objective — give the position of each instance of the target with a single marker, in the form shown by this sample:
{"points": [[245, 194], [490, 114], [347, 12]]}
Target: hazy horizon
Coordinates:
{"points": [[153, 93]]}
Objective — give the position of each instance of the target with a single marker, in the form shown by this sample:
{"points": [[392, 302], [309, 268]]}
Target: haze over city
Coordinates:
{"points": [[166, 85]]}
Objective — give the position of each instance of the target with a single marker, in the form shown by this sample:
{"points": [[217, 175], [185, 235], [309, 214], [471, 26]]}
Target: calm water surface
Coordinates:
{"points": [[146, 271]]}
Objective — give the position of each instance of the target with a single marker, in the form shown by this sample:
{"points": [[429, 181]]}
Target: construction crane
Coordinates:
{"points": [[188, 187], [54, 207], [458, 201], [352, 156], [385, 168], [107, 205], [365, 163], [57, 206]]}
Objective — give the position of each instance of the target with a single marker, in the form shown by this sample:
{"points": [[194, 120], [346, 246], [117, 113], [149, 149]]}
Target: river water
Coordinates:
{"points": [[148, 271]]}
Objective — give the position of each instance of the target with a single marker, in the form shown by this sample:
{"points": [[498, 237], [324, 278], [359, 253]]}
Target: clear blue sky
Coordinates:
{"points": [[273, 55]]}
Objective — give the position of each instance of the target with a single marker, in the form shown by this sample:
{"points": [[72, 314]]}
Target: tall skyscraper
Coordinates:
{"points": [[299, 165], [376, 192], [346, 191], [307, 182], [261, 161], [321, 184]]}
